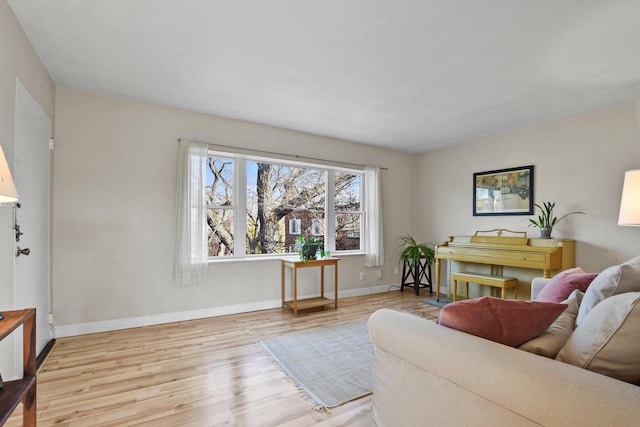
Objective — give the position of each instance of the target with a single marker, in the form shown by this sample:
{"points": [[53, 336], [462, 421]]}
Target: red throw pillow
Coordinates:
{"points": [[509, 322], [561, 285]]}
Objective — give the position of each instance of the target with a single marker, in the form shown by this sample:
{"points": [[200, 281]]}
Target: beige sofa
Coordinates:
{"points": [[429, 375]]}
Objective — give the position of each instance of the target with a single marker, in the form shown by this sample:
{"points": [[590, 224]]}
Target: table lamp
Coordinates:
{"points": [[8, 191], [630, 200]]}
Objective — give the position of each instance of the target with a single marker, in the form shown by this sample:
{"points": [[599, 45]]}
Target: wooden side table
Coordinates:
{"points": [[24, 389], [300, 304]]}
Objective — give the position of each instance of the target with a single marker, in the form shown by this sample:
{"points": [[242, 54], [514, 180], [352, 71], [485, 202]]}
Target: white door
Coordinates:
{"points": [[32, 178]]}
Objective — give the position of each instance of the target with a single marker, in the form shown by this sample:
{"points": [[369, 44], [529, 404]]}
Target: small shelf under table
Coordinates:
{"points": [[296, 303]]}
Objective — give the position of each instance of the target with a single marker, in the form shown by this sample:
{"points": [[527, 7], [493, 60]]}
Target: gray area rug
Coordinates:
{"points": [[331, 366], [432, 301]]}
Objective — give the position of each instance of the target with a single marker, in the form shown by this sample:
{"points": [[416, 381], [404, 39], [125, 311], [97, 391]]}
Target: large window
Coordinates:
{"points": [[260, 206]]}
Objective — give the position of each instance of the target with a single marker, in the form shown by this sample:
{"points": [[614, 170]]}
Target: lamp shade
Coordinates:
{"points": [[630, 201], [8, 191]]}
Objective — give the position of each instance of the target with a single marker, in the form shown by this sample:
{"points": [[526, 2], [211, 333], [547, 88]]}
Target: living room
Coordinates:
{"points": [[114, 167]]}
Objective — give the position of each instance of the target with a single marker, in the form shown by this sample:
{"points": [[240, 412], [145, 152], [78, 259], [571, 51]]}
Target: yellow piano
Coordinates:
{"points": [[503, 248]]}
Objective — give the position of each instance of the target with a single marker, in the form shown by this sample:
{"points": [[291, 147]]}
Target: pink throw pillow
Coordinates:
{"points": [[509, 322], [563, 284]]}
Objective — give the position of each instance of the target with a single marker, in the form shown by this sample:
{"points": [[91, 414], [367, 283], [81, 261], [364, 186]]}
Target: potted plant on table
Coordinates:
{"points": [[308, 248], [546, 220]]}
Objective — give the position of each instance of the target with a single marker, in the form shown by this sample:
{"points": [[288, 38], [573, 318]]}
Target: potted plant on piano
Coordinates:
{"points": [[546, 220]]}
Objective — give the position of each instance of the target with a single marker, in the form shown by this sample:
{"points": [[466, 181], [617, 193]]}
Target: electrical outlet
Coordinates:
{"points": [[379, 274], [362, 275], [51, 318], [395, 271]]}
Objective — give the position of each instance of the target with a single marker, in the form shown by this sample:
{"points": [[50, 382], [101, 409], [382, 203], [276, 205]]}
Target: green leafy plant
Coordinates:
{"points": [[412, 251], [547, 219], [307, 248]]}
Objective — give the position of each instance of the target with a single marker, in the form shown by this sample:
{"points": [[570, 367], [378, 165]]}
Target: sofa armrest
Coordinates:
{"points": [[424, 371], [536, 286]]}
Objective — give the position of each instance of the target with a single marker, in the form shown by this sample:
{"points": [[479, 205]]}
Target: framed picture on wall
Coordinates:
{"points": [[503, 192]]}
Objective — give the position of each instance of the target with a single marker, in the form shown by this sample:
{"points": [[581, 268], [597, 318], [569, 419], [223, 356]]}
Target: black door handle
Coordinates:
{"points": [[25, 251]]}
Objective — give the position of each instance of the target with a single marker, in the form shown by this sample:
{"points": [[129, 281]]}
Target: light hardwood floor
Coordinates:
{"points": [[208, 372]]}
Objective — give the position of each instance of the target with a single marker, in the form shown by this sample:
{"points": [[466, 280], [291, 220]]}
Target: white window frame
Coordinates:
{"points": [[234, 202], [359, 212], [240, 204]]}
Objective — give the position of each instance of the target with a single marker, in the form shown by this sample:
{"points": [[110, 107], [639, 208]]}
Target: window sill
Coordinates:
{"points": [[254, 258]]}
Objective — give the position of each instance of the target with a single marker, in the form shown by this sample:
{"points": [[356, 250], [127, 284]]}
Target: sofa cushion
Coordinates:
{"points": [[509, 322], [614, 280], [607, 339], [562, 284], [549, 343]]}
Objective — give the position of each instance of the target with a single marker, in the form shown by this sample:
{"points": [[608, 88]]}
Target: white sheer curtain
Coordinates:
{"points": [[191, 237], [374, 247]]}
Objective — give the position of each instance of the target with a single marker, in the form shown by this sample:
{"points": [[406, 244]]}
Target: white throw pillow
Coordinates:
{"points": [[607, 339], [614, 280], [549, 343]]}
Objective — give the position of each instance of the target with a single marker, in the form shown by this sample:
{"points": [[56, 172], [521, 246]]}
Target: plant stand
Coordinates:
{"points": [[412, 276]]}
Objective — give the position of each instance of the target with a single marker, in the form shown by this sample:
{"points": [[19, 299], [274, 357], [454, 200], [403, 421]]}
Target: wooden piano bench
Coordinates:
{"points": [[501, 282]]}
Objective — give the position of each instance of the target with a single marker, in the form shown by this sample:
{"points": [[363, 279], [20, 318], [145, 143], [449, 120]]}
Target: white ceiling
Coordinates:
{"points": [[412, 75]]}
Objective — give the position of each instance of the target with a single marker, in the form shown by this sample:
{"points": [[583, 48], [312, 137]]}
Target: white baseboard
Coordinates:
{"points": [[180, 316]]}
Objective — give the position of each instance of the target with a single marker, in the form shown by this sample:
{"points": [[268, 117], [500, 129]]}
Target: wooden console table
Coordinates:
{"points": [[24, 389], [300, 304]]}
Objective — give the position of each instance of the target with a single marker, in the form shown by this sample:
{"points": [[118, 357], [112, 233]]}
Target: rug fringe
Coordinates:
{"points": [[312, 381], [301, 392]]}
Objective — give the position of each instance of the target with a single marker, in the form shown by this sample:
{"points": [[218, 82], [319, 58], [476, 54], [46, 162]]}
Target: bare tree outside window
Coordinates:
{"points": [[219, 188], [282, 202], [273, 192]]}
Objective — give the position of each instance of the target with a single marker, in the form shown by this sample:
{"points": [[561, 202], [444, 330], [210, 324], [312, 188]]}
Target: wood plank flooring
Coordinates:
{"points": [[208, 372]]}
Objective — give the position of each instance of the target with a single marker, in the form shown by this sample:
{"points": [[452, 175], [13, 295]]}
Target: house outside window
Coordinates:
{"points": [[294, 226], [348, 210], [259, 206], [317, 227]]}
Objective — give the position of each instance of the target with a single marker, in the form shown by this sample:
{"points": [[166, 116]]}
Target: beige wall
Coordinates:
{"points": [[114, 204], [17, 60], [579, 163]]}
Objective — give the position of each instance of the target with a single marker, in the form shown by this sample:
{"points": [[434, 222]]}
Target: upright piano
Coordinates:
{"points": [[503, 248]]}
